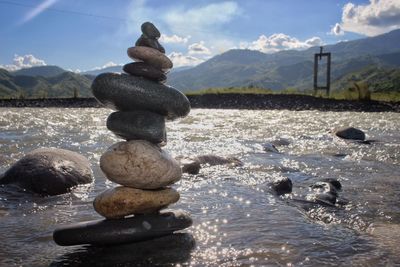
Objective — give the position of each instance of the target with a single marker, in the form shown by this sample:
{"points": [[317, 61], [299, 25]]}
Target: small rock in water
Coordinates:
{"points": [[190, 166], [49, 171], [213, 160], [121, 231], [151, 56], [334, 182], [148, 42], [280, 142], [350, 133], [282, 186], [268, 147], [121, 201], [128, 93], [139, 164], [150, 30], [138, 125], [145, 70], [326, 199]]}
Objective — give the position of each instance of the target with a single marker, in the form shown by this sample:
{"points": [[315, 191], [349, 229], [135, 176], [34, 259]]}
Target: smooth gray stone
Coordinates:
{"points": [[150, 30], [49, 171], [121, 231], [128, 93], [138, 125], [145, 70], [153, 43], [350, 133]]}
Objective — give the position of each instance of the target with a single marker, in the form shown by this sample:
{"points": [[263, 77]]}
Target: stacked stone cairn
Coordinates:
{"points": [[142, 169]]}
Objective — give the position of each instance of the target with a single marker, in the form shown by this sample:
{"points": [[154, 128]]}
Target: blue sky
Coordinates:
{"points": [[83, 35]]}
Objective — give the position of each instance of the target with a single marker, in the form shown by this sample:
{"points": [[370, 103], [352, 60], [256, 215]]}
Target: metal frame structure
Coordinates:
{"points": [[318, 57]]}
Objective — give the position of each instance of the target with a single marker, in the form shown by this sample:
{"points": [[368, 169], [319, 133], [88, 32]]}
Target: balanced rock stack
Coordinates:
{"points": [[142, 169]]}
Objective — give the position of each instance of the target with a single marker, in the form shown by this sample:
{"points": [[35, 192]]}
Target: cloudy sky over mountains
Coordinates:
{"points": [[84, 35]]}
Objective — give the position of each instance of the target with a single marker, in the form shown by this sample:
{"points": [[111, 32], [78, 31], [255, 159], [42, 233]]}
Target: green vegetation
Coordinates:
{"points": [[231, 90], [361, 93], [64, 85], [370, 83]]}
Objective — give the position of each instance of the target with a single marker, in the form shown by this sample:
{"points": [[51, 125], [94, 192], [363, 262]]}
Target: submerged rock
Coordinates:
{"points": [[189, 165], [282, 186], [280, 142], [350, 133], [213, 160], [49, 171], [268, 147], [121, 231]]}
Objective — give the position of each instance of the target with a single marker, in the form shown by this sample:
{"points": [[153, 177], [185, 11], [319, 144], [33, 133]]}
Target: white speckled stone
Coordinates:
{"points": [[140, 164]]}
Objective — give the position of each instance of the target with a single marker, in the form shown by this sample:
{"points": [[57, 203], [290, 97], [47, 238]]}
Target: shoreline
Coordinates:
{"points": [[229, 101]]}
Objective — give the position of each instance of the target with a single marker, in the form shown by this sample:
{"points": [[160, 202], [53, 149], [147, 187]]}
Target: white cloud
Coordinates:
{"points": [[183, 22], [198, 48], [180, 60], [374, 18], [206, 19], [279, 41], [37, 10], [174, 39], [336, 30], [108, 64], [21, 62]]}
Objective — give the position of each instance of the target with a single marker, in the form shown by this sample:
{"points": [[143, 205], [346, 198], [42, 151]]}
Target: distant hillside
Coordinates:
{"points": [[378, 79], [44, 71], [64, 85], [287, 68], [109, 69]]}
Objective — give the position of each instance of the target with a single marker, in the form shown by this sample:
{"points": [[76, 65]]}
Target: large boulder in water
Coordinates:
{"points": [[350, 133], [49, 171]]}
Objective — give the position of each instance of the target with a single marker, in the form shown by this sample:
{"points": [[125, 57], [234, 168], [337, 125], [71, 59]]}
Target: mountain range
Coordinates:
{"points": [[291, 68], [373, 59]]}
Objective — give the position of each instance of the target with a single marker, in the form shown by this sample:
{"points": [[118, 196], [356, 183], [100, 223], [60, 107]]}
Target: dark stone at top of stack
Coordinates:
{"points": [[150, 30], [149, 42]]}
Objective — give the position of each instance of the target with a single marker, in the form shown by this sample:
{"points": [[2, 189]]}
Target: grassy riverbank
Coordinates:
{"points": [[348, 94]]}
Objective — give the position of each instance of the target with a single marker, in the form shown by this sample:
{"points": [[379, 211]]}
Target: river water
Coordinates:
{"points": [[237, 220]]}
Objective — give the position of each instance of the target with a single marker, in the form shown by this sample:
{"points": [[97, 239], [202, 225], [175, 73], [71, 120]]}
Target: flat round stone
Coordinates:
{"points": [[148, 42], [138, 125], [145, 70], [127, 93], [139, 164], [121, 201], [151, 56], [128, 230], [150, 30]]}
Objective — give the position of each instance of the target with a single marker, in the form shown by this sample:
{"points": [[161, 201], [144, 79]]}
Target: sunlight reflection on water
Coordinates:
{"points": [[237, 220]]}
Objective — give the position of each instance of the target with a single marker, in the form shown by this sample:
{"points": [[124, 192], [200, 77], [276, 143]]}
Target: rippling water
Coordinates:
{"points": [[237, 220]]}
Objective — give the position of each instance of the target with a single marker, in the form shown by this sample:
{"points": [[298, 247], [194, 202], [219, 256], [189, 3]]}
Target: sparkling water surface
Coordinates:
{"points": [[237, 220]]}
